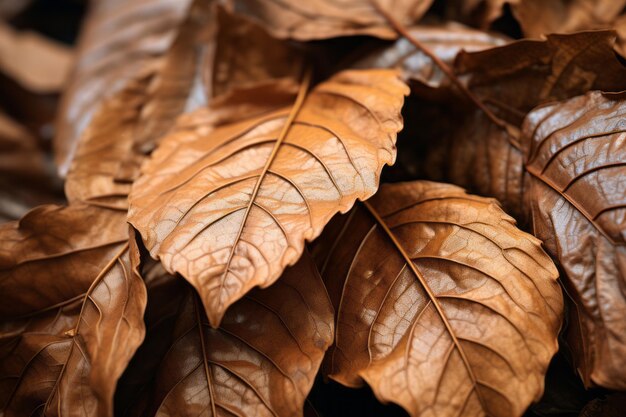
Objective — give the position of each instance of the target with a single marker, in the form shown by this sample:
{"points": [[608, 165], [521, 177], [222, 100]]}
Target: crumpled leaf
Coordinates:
{"points": [[26, 177], [517, 77], [576, 153], [443, 306], [262, 360], [37, 63], [130, 124], [230, 208], [72, 310], [323, 19], [120, 40], [445, 41]]}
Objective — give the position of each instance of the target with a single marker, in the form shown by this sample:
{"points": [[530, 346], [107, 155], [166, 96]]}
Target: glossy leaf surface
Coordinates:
{"points": [[576, 158]]}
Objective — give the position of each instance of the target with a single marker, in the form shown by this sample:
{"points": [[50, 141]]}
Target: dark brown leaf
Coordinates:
{"points": [[522, 75], [230, 208], [72, 310], [323, 19], [576, 158], [443, 306], [262, 360]]}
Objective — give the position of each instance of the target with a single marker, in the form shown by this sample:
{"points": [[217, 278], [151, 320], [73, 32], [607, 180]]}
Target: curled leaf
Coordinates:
{"points": [[121, 40], [443, 306], [576, 158], [206, 58], [65, 339], [229, 208], [261, 361]]}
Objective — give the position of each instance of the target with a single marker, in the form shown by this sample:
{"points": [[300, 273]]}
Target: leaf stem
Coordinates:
{"points": [[402, 31]]}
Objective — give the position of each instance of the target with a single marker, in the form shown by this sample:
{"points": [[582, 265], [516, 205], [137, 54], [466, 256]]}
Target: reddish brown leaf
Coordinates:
{"points": [[261, 361], [72, 312], [443, 306], [230, 208], [576, 158], [323, 19]]}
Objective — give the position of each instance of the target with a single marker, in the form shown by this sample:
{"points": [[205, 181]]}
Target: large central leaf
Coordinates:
{"points": [[230, 208]]}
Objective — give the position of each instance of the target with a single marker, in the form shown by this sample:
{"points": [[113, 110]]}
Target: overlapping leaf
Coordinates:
{"points": [[72, 310], [443, 306], [576, 158], [129, 125], [445, 41], [261, 361], [230, 208], [323, 19], [121, 40], [517, 77]]}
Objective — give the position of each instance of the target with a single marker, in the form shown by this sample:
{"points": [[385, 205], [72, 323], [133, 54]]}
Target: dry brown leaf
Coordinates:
{"points": [[576, 158], [230, 208], [105, 143], [521, 75], [37, 63], [120, 40], [323, 19], [261, 361], [444, 41], [72, 310], [443, 306], [129, 125]]}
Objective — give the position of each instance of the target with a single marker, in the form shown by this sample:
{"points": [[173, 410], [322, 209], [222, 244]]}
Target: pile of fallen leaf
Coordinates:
{"points": [[197, 219]]}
